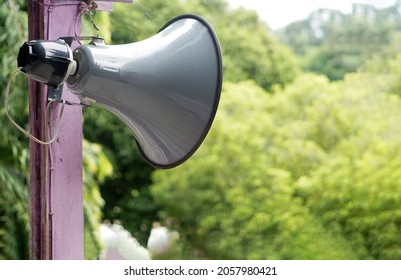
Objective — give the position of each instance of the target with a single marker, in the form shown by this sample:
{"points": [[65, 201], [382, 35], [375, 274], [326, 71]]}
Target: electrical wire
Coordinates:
{"points": [[86, 8], [46, 142]]}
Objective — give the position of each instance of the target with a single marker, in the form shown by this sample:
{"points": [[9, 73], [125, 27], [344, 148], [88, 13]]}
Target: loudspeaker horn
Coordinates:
{"points": [[165, 88]]}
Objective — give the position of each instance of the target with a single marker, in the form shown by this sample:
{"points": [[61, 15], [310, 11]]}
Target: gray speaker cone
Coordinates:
{"points": [[165, 88]]}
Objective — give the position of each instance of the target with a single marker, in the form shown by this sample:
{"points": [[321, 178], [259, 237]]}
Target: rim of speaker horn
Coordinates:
{"points": [[217, 92]]}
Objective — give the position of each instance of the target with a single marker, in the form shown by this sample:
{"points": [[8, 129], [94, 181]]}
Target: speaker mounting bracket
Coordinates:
{"points": [[54, 93], [95, 40]]}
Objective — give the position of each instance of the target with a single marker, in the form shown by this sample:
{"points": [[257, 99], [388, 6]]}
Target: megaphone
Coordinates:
{"points": [[166, 88]]}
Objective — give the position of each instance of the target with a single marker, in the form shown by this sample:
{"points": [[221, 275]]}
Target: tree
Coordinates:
{"points": [[240, 32], [14, 210], [333, 43], [386, 65], [308, 173], [235, 198], [356, 192]]}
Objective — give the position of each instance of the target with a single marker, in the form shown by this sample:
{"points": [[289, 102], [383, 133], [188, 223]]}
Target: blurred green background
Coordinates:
{"points": [[303, 160]]}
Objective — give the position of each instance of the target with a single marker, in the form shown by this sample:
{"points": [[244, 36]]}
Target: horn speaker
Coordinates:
{"points": [[165, 88]]}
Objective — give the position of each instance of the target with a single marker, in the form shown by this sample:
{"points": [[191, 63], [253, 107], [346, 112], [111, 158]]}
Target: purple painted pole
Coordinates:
{"points": [[57, 230], [56, 205]]}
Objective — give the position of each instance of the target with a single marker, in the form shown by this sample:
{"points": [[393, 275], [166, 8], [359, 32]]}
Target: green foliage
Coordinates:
{"points": [[387, 65], [13, 151], [14, 154], [232, 200], [140, 20], [333, 43], [356, 192], [308, 173], [14, 215], [12, 34], [96, 167], [250, 49]]}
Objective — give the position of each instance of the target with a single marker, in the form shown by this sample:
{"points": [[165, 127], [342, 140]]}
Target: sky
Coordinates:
{"points": [[278, 13]]}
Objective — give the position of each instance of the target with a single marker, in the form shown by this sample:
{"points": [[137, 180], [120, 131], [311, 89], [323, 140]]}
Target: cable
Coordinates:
{"points": [[46, 142], [86, 7], [48, 220]]}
